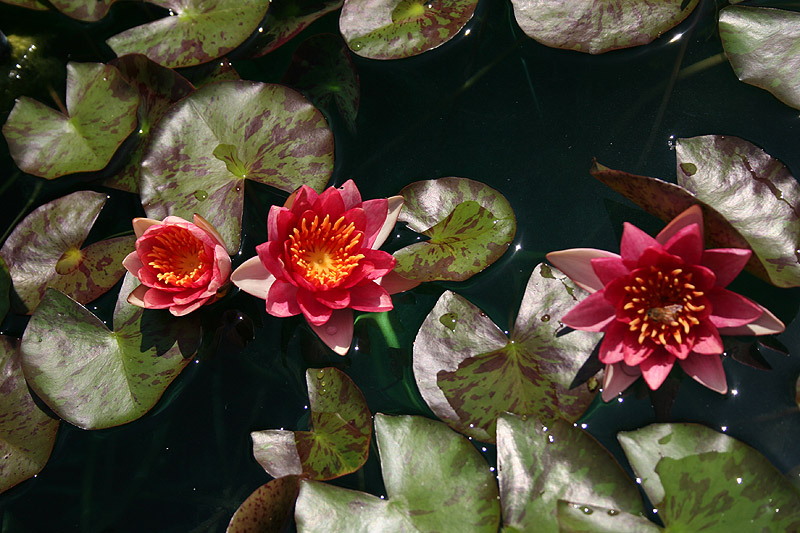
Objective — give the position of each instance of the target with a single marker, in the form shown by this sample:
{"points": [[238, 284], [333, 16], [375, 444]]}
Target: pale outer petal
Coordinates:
{"points": [[253, 278], [132, 263], [618, 377], [206, 226], [394, 283], [337, 332], [395, 204], [136, 297], [576, 264], [766, 324], [693, 215], [140, 225]]}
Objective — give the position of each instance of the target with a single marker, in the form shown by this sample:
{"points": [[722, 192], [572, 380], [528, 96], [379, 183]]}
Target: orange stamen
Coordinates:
{"points": [[324, 253], [179, 257]]}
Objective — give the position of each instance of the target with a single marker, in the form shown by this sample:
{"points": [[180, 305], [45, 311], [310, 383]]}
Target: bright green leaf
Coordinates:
{"points": [[268, 508]]}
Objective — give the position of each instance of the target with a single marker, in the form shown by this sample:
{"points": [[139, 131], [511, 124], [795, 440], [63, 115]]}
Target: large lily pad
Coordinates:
{"points": [[469, 372], [27, 434], [435, 481], [206, 145], [96, 378], [339, 441], [699, 480], [576, 517], [101, 113], [268, 508], [85, 10], [388, 29], [761, 45], [44, 250], [196, 31], [470, 226], [28, 4], [597, 26], [287, 18]]}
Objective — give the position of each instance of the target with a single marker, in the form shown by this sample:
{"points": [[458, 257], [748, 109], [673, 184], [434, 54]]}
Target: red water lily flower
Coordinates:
{"points": [[180, 264], [321, 260], [662, 299]]}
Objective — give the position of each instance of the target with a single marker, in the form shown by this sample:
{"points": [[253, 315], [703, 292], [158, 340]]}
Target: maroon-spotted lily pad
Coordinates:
{"points": [[338, 443], [543, 462], [469, 372], [435, 481], [44, 250], [85, 10], [220, 70], [597, 26], [287, 18], [206, 145], [574, 517], [197, 31], [700, 480], [27, 434], [5, 288], [97, 378], [388, 29], [268, 508], [761, 45], [28, 4], [470, 226], [101, 113]]}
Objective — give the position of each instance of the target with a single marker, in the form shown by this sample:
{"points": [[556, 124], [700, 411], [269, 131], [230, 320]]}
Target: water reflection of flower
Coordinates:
{"points": [[661, 300], [180, 264], [321, 260]]}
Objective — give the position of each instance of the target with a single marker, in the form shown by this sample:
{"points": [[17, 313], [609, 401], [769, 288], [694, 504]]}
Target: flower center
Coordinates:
{"points": [[661, 304], [323, 253], [179, 257]]}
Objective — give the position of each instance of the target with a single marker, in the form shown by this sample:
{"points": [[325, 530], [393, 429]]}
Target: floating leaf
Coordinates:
{"points": [[271, 131], [44, 250], [596, 26], [469, 372], [388, 29], [470, 226], [268, 508], [761, 45], [27, 434], [339, 441], [220, 70], [28, 4], [85, 10], [5, 287], [287, 18], [95, 378], [576, 517], [101, 110], [435, 481], [196, 31]]}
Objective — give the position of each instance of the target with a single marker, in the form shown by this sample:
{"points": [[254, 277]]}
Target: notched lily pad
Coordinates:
{"points": [[338, 443], [287, 18], [268, 508], [469, 372], [85, 10], [101, 113]]}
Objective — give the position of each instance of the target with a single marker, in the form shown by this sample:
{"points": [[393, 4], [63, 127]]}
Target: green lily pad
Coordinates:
{"points": [[541, 463], [597, 26], [339, 441], [287, 18], [470, 226], [5, 288], [220, 70], [435, 481], [28, 4], [96, 378], [44, 250], [268, 508], [197, 31], [85, 10], [761, 45], [699, 480], [576, 517], [469, 372], [101, 113], [388, 29], [27, 434], [270, 131]]}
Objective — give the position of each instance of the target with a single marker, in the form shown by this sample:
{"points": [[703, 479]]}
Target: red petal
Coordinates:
{"points": [[706, 370], [634, 243], [618, 377], [730, 310], [376, 212], [633, 352], [305, 198], [282, 299], [181, 310], [686, 244], [333, 298], [594, 313], [692, 215], [370, 297], [612, 347], [315, 312], [330, 203], [609, 268], [382, 262], [656, 368], [707, 340], [726, 263], [270, 253], [280, 223], [766, 324], [350, 194]]}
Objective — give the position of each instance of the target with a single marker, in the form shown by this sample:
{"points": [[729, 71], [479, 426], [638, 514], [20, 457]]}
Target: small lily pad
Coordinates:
{"points": [[268, 508], [469, 372], [339, 441], [101, 113], [388, 29], [287, 18], [574, 517], [85, 10]]}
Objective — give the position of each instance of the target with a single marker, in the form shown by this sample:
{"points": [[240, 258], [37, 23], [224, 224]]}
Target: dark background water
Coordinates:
{"points": [[491, 105]]}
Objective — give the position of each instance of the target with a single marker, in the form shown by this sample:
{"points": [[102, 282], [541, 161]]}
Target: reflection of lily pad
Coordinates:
{"points": [[339, 441], [434, 479], [388, 29], [85, 10], [469, 372], [271, 132], [287, 18], [268, 508], [470, 226]]}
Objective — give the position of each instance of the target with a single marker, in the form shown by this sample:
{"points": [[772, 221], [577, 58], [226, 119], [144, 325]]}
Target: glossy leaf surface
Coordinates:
{"points": [[27, 4], [5, 288], [85, 10], [268, 508], [575, 517], [287, 18]]}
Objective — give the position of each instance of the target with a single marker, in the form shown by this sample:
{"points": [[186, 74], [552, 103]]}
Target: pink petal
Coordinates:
{"points": [[280, 222], [253, 278], [172, 220], [315, 312], [382, 262], [136, 297], [706, 370], [189, 296], [333, 298], [157, 299], [375, 212], [633, 352], [222, 261], [330, 203], [726, 263], [358, 218], [682, 350], [304, 199], [282, 299], [612, 348], [766, 324], [731, 310], [395, 205], [337, 333], [350, 194], [593, 313], [370, 297], [634, 242], [618, 377], [656, 368], [271, 253], [181, 310], [132, 263], [394, 283], [686, 244], [576, 264], [707, 340], [140, 225], [206, 226], [609, 268], [692, 215]]}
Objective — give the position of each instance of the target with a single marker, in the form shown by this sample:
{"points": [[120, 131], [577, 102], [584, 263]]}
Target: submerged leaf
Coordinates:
{"points": [[268, 508], [287, 18]]}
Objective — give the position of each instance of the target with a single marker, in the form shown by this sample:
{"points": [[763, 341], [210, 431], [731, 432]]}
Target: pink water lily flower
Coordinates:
{"points": [[180, 264], [662, 299], [321, 260]]}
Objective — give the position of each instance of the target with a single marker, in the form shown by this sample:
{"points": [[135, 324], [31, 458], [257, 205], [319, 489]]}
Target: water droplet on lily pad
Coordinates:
{"points": [[320, 373], [449, 320], [322, 383], [613, 512], [545, 318], [322, 392], [587, 510], [200, 195]]}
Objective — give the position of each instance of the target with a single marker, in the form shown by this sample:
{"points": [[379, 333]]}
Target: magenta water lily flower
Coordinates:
{"points": [[321, 260], [662, 300]]}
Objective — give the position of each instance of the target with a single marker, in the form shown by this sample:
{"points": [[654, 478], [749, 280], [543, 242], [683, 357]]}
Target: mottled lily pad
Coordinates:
{"points": [[197, 31], [27, 434], [5, 288], [44, 250], [597, 26], [470, 226], [339, 441], [700, 480], [28, 4], [435, 481], [220, 70], [388, 29], [574, 517], [85, 10], [469, 372], [96, 378], [101, 113], [761, 45], [268, 508], [206, 145], [287, 18]]}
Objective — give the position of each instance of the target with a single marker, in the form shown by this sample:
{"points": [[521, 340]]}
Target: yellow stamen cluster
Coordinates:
{"points": [[179, 257], [323, 253]]}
